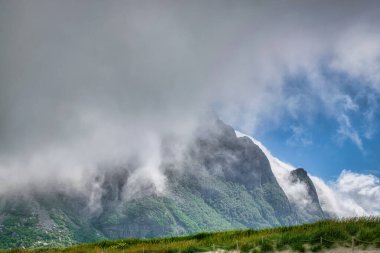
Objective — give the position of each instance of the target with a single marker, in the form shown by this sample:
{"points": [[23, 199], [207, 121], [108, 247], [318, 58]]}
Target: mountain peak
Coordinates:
{"points": [[300, 171], [221, 182], [300, 175]]}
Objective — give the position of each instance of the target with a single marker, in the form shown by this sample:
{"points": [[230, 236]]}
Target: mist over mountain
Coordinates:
{"points": [[350, 195], [106, 130], [220, 182], [88, 83]]}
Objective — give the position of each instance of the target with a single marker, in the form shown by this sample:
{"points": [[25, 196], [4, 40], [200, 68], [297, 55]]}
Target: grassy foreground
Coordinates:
{"points": [[358, 233]]}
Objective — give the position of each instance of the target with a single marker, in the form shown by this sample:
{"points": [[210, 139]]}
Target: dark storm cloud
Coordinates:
{"points": [[83, 82]]}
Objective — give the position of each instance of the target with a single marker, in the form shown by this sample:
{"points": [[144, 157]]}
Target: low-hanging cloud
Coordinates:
{"points": [[360, 200], [350, 195], [296, 191], [93, 82]]}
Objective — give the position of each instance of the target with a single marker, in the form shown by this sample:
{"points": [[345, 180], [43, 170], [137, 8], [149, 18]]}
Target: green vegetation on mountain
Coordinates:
{"points": [[221, 183], [35, 221], [365, 232]]}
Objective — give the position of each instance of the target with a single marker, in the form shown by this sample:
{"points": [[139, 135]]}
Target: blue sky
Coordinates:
{"points": [[312, 138]]}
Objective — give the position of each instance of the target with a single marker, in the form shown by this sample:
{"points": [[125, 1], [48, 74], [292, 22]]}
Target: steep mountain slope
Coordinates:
{"points": [[311, 210], [221, 182], [36, 219], [296, 184]]}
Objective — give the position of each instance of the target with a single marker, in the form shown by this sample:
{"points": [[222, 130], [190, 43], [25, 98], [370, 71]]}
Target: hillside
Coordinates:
{"points": [[222, 182], [360, 234]]}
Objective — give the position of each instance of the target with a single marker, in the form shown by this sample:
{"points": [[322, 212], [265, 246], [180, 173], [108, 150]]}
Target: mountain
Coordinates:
{"points": [[220, 182], [311, 210]]}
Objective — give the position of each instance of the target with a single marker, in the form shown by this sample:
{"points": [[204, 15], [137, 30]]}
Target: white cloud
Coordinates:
{"points": [[80, 79], [300, 137], [333, 202], [357, 53], [361, 189], [346, 131], [351, 195], [296, 192]]}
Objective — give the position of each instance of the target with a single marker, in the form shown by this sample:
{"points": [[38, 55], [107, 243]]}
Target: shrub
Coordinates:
{"points": [[172, 251], [298, 247], [245, 248], [266, 247], [352, 228], [192, 249], [201, 236], [280, 245], [316, 248]]}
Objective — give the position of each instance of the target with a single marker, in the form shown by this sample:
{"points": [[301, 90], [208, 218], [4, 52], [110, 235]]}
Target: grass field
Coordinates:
{"points": [[360, 233]]}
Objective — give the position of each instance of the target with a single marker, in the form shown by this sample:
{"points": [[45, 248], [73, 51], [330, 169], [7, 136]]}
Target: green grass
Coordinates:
{"points": [[303, 238]]}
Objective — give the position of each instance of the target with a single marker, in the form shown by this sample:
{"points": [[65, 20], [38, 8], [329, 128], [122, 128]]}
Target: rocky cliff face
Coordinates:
{"points": [[310, 210], [220, 182]]}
